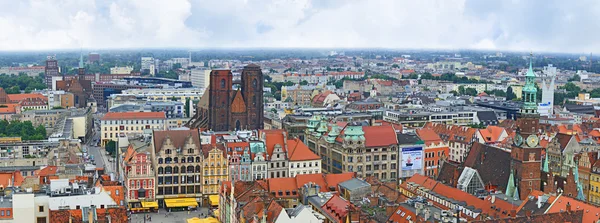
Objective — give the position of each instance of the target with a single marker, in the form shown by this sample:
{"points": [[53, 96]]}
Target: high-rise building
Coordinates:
{"points": [[545, 108], [200, 77], [148, 64], [94, 57], [51, 70], [223, 108], [526, 152]]}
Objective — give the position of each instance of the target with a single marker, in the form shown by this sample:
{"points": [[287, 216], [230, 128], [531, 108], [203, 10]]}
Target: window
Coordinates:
{"points": [[222, 83], [40, 208]]}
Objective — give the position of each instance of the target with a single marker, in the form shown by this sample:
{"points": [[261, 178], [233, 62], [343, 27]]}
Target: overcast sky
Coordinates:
{"points": [[526, 25]]}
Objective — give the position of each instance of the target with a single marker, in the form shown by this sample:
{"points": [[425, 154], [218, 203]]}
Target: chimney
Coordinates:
{"points": [[568, 206], [513, 213], [493, 198]]}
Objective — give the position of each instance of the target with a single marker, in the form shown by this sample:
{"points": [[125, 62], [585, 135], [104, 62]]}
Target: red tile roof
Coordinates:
{"points": [[277, 185], [428, 136], [336, 207], [16, 98], [459, 195], [560, 205], [48, 171], [379, 136], [274, 137], [9, 109], [298, 151], [133, 115], [6, 179]]}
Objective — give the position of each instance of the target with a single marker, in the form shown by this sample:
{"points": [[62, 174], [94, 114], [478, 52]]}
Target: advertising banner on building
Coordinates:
{"points": [[412, 158]]}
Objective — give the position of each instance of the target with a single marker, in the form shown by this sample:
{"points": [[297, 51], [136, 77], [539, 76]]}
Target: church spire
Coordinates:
{"points": [[80, 60]]}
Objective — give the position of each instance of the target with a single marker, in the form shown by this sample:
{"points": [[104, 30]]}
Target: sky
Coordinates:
{"points": [[500, 25]]}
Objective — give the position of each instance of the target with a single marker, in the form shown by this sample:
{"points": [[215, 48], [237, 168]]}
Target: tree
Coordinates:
{"points": [[187, 107], [273, 110], [111, 147], [304, 82], [57, 107], [395, 66], [575, 77], [471, 91], [461, 90], [176, 66], [454, 93], [268, 78], [510, 95]]}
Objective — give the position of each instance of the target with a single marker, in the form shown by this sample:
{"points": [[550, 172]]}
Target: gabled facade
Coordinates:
{"points": [[178, 160], [139, 177]]}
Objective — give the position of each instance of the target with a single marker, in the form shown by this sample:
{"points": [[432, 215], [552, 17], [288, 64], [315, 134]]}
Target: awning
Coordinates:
{"points": [[214, 200], [150, 204], [181, 202], [203, 220], [216, 213]]}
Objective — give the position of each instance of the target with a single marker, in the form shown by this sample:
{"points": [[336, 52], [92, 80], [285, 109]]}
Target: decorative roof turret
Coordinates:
{"points": [[333, 133], [545, 168], [354, 133]]}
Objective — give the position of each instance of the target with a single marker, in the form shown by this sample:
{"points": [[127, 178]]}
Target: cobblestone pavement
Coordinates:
{"points": [[173, 217]]}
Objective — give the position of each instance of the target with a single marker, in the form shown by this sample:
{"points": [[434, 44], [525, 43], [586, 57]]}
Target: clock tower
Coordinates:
{"points": [[526, 152]]}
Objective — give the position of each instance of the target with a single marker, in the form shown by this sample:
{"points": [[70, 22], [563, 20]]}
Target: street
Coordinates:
{"points": [[99, 154]]}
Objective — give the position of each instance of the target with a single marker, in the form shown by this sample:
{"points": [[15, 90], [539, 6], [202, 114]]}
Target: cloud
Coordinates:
{"points": [[538, 25]]}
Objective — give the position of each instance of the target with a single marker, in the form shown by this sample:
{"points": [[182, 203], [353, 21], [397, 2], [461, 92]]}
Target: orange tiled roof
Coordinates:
{"points": [[274, 137], [6, 179], [133, 115], [560, 205], [15, 98], [428, 136], [48, 171], [298, 151], [282, 184], [378, 136], [9, 109]]}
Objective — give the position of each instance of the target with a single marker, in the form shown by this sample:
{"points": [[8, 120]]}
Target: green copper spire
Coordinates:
{"points": [[510, 187], [516, 195], [546, 169], [80, 60], [529, 91]]}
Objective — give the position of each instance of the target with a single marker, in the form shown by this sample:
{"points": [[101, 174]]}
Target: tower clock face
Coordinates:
{"points": [[518, 140], [532, 141]]}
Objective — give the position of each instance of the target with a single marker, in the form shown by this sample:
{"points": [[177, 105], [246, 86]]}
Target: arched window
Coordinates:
{"points": [[175, 169], [168, 170], [175, 160], [190, 159], [254, 83], [253, 99], [190, 169], [197, 159], [168, 151], [197, 168], [237, 125], [160, 160], [168, 160], [160, 170], [222, 83], [183, 169]]}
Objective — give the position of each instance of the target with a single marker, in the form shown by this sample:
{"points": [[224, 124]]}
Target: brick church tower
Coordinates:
{"points": [[225, 108], [526, 152]]}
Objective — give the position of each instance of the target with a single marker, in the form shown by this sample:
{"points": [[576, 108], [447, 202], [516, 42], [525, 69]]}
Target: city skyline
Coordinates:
{"points": [[460, 24]]}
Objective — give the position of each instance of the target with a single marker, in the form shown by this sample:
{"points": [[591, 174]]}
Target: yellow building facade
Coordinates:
{"points": [[214, 171], [594, 189]]}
